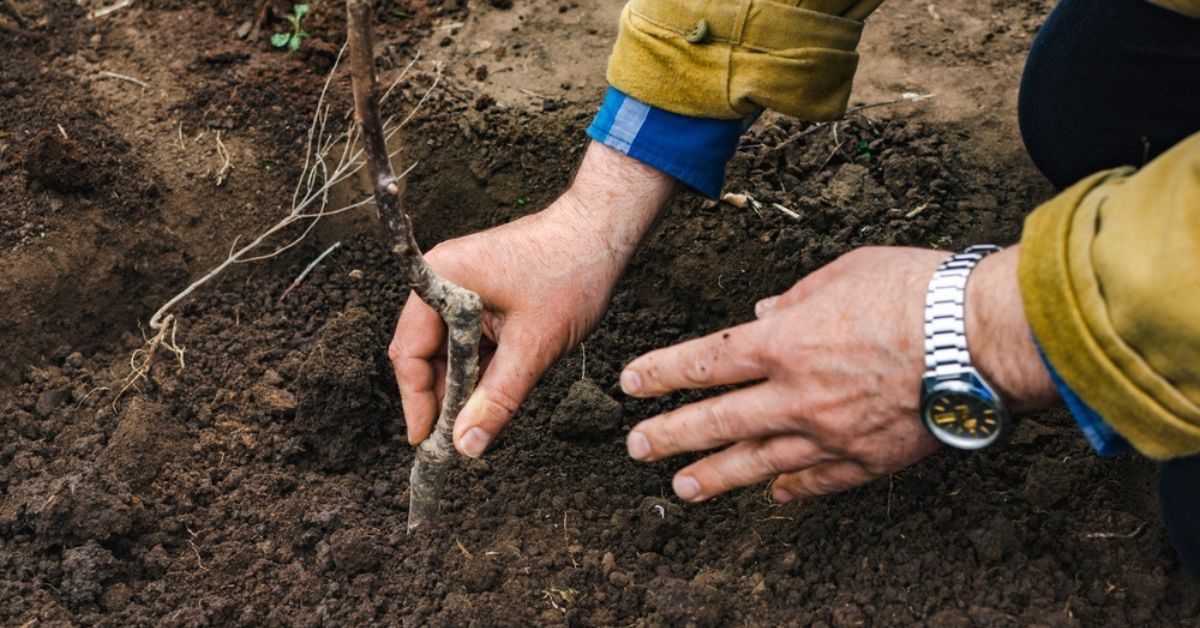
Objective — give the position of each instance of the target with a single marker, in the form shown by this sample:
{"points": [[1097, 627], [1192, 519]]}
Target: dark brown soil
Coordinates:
{"points": [[266, 481]]}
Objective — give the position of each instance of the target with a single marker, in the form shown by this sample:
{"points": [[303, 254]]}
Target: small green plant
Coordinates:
{"points": [[292, 40]]}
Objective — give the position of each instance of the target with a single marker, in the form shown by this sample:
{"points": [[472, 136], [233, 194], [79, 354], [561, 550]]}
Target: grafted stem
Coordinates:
{"points": [[460, 308]]}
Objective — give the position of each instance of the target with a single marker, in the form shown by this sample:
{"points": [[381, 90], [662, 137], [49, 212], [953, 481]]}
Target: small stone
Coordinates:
{"points": [[619, 579], [608, 564], [243, 31], [356, 274]]}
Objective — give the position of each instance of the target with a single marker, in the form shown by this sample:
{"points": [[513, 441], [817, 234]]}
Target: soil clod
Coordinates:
{"points": [[587, 412]]}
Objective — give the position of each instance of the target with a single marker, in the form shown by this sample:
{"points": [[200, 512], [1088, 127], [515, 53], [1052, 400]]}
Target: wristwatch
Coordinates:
{"points": [[958, 406]]}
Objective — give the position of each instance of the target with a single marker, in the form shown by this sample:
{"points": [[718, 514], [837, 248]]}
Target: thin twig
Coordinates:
{"points": [[199, 563], [906, 97], [226, 166], [124, 77], [113, 8], [1116, 535], [308, 269], [786, 211]]}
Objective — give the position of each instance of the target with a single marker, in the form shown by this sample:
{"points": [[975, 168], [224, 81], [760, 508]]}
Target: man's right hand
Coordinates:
{"points": [[545, 281]]}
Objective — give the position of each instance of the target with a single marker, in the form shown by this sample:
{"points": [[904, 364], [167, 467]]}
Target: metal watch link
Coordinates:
{"points": [[958, 406]]}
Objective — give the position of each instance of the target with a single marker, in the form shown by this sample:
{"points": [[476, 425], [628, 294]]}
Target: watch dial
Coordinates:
{"points": [[963, 416]]}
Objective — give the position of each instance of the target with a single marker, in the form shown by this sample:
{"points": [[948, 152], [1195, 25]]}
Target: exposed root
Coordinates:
{"points": [[142, 359], [330, 158], [226, 165]]}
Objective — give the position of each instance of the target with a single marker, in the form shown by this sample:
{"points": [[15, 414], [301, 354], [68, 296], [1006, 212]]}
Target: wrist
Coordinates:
{"points": [[999, 338]]}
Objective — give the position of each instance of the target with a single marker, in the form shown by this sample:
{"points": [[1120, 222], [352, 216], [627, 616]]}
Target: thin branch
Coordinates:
{"points": [[906, 97], [113, 8], [124, 77], [308, 269]]}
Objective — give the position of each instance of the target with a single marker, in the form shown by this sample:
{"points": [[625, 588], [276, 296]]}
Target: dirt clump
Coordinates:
{"points": [[84, 570], [145, 439], [59, 164], [341, 388], [587, 412]]}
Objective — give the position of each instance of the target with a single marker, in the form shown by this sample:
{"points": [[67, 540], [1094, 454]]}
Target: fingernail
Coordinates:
{"points": [[639, 446], [686, 486], [764, 306], [631, 382], [474, 442], [781, 495]]}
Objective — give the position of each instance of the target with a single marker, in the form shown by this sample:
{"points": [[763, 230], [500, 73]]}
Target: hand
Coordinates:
{"points": [[837, 363], [545, 281]]}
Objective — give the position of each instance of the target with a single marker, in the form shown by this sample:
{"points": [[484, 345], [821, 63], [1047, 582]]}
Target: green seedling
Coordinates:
{"points": [[862, 149], [292, 40]]}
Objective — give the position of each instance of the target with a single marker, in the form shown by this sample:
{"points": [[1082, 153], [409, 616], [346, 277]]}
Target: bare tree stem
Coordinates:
{"points": [[461, 309]]}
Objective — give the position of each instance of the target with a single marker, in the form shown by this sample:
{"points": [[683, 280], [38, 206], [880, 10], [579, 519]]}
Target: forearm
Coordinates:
{"points": [[614, 199]]}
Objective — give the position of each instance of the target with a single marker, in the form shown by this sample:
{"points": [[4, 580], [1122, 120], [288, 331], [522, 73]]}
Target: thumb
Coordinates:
{"points": [[514, 370]]}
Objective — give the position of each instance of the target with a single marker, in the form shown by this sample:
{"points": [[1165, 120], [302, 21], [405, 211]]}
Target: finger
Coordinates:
{"points": [[419, 338], [765, 306], [821, 479], [799, 291], [744, 414], [726, 357], [746, 463], [514, 370]]}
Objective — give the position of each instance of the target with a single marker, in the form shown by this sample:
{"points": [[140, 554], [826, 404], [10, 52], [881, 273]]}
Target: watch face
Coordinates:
{"points": [[963, 420]]}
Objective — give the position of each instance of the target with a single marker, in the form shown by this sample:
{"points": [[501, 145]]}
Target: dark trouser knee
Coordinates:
{"points": [[1108, 83]]}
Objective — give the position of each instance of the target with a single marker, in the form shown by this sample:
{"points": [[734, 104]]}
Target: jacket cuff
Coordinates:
{"points": [[1071, 319], [734, 58], [693, 150]]}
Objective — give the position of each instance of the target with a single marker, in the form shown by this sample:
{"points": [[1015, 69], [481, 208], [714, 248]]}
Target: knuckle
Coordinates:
{"points": [[818, 483], [717, 421], [395, 352], [765, 461], [696, 371], [503, 403], [664, 437]]}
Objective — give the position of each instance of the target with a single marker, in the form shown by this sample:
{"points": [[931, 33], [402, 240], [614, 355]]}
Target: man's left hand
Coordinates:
{"points": [[834, 369]]}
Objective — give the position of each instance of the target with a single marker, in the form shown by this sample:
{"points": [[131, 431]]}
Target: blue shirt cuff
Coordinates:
{"points": [[1103, 438], [693, 150]]}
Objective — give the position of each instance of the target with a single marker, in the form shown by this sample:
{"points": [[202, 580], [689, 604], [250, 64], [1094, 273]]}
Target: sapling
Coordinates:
{"points": [[292, 40], [460, 308]]}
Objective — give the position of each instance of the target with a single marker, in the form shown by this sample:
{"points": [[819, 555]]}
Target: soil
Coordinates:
{"points": [[265, 481]]}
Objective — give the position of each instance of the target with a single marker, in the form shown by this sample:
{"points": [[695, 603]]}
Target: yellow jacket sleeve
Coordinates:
{"points": [[1110, 277], [730, 58]]}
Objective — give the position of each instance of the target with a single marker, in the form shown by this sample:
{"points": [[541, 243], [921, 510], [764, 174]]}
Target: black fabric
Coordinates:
{"points": [[1108, 83], [1179, 501], [1111, 83]]}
